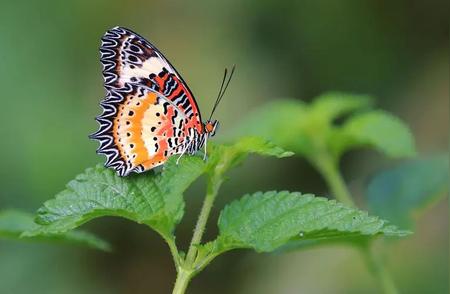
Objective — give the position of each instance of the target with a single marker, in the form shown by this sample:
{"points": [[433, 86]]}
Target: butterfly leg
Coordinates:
{"points": [[204, 155], [184, 151]]}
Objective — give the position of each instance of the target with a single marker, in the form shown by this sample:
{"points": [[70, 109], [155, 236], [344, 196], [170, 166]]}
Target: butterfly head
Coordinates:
{"points": [[211, 127]]}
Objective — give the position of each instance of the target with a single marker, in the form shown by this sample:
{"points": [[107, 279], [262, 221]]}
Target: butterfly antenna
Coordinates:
{"points": [[222, 89]]}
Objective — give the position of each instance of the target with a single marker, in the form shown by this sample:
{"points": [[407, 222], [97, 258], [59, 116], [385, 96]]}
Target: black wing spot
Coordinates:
{"points": [[134, 48], [133, 58]]}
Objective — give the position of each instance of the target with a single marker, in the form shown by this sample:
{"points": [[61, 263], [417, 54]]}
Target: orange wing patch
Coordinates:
{"points": [[128, 127], [144, 129]]}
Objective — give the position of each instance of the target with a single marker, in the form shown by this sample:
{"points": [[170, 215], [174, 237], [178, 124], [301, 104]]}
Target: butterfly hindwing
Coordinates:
{"points": [[139, 129]]}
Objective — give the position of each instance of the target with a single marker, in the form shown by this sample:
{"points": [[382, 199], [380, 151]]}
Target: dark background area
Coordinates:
{"points": [[51, 84]]}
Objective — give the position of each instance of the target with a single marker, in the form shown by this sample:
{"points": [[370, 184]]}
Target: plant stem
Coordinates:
{"points": [[328, 167], [174, 250], [187, 269], [329, 170], [211, 193], [183, 278], [379, 271]]}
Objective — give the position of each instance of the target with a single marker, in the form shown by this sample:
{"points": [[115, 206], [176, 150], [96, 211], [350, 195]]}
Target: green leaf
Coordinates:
{"points": [[258, 145], [276, 121], [310, 129], [399, 193], [224, 157], [266, 221], [376, 129], [13, 223], [332, 105], [152, 199]]}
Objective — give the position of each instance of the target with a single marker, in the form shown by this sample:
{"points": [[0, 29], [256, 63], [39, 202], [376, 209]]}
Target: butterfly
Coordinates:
{"points": [[149, 112]]}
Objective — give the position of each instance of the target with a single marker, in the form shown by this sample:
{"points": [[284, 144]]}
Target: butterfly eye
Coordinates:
{"points": [[209, 127]]}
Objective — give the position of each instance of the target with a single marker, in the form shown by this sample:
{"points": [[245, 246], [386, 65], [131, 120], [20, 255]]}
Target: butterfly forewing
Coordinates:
{"points": [[129, 58]]}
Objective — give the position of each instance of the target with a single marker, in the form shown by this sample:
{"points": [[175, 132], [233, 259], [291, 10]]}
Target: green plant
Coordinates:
{"points": [[404, 191], [13, 223], [262, 221], [335, 123]]}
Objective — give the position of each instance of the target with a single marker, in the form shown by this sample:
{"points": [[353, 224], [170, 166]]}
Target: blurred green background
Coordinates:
{"points": [[51, 84]]}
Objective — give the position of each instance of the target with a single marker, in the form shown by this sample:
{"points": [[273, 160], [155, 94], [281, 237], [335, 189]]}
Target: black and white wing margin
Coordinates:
{"points": [[129, 58]]}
